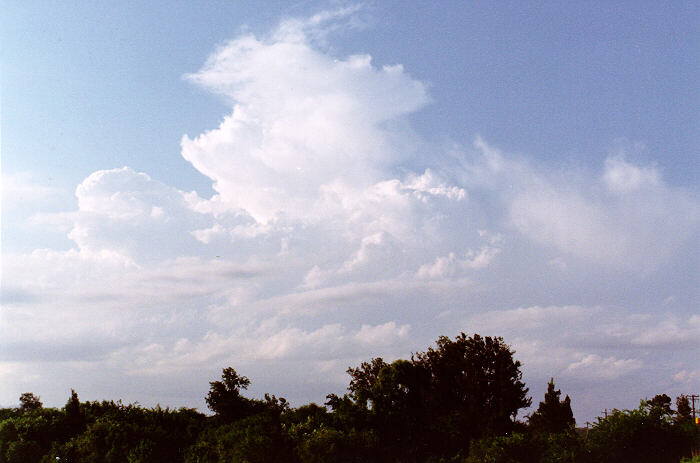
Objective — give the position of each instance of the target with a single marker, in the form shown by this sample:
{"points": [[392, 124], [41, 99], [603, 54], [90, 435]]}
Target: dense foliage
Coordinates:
{"points": [[456, 402], [553, 415]]}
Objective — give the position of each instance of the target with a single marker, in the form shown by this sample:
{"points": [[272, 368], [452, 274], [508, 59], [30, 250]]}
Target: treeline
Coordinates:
{"points": [[456, 402]]}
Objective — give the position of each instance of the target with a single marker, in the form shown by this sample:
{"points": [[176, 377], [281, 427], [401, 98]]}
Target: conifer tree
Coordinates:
{"points": [[552, 415]]}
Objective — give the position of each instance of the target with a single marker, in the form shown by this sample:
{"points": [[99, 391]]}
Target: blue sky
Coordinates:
{"points": [[191, 187]]}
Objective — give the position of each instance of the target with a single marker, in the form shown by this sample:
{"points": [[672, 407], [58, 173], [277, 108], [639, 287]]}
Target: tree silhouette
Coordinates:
{"points": [[225, 399], [660, 405], [552, 415], [476, 385], [29, 402], [683, 410], [74, 419], [439, 401]]}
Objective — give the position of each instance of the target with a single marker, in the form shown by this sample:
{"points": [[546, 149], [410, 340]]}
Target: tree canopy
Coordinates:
{"points": [[440, 399], [225, 399], [29, 402], [552, 415]]}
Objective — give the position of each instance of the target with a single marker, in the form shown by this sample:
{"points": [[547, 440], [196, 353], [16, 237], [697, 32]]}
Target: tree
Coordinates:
{"points": [[440, 400], [660, 404], [641, 435], [29, 402], [683, 410], [552, 415], [529, 448], [74, 419], [225, 399], [394, 396], [476, 385]]}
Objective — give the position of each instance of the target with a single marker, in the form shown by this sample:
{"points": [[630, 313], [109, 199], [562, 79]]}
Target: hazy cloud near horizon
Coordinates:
{"points": [[337, 233]]}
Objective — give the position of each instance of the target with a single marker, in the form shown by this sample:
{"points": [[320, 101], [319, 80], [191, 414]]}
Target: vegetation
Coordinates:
{"points": [[456, 402]]}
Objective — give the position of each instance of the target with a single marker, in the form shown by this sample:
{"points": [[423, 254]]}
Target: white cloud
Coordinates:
{"points": [[687, 377], [594, 367], [313, 278], [646, 331], [295, 342], [300, 120], [627, 218], [621, 176], [126, 212], [266, 342], [386, 334], [428, 184], [524, 318], [362, 256], [317, 27], [207, 235], [448, 266], [441, 268], [480, 259], [344, 296], [76, 303]]}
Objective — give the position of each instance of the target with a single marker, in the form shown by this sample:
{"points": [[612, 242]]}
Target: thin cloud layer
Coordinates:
{"points": [[327, 243]]}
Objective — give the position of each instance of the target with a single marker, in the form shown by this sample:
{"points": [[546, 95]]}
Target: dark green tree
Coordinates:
{"points": [[529, 448], [439, 401], [642, 435], [246, 430], [8, 434], [683, 410], [74, 421], [258, 438], [476, 387], [317, 438], [23, 451], [29, 402], [552, 415], [660, 404], [225, 399], [394, 395]]}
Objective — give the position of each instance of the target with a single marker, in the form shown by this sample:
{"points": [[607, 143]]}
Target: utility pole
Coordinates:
{"points": [[693, 398]]}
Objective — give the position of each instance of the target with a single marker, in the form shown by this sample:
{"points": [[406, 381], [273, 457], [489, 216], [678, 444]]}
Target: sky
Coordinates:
{"points": [[293, 188]]}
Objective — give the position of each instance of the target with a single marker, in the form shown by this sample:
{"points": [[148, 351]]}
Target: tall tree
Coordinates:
{"points": [[395, 397], [440, 400], [225, 399], [552, 415], [476, 385], [660, 405], [683, 410], [29, 402], [74, 418]]}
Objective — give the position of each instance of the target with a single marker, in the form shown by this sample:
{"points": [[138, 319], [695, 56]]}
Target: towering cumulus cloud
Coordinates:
{"points": [[302, 123]]}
